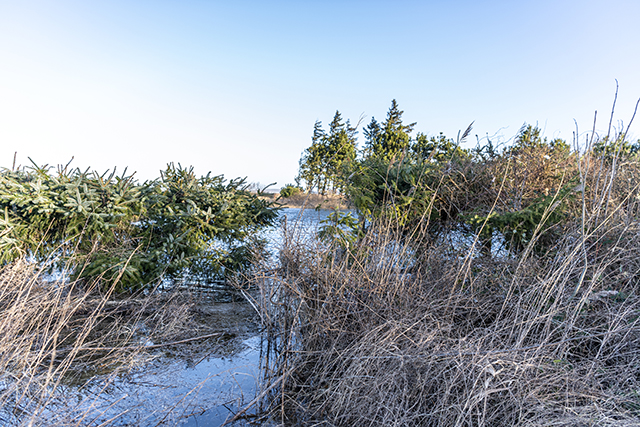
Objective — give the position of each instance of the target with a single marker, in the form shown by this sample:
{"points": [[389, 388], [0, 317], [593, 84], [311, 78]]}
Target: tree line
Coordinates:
{"points": [[523, 192], [322, 164]]}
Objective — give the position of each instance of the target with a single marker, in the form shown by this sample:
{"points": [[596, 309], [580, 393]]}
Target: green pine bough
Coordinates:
{"points": [[112, 228]]}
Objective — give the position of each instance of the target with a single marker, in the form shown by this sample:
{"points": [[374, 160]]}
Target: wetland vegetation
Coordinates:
{"points": [[495, 285], [479, 287]]}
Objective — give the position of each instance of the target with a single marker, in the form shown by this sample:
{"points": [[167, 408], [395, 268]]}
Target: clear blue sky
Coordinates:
{"points": [[235, 87]]}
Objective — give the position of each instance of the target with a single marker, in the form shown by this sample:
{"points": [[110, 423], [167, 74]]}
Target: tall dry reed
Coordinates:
{"points": [[63, 345], [397, 331]]}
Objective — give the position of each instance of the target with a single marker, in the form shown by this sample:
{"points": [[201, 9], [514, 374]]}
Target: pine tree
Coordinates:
{"points": [[372, 137], [341, 144], [311, 167], [390, 139], [395, 135], [322, 163]]}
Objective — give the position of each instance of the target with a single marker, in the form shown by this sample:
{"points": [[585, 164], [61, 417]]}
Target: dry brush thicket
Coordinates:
{"points": [[401, 330]]}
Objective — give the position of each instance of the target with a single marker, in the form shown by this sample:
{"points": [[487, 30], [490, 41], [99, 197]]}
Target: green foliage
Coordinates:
{"points": [[438, 149], [620, 147], [340, 229], [524, 192], [322, 163], [529, 192], [290, 190], [111, 227], [538, 222], [391, 138], [412, 192], [381, 188], [64, 212]]}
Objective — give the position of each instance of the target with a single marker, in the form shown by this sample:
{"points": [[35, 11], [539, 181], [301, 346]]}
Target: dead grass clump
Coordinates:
{"points": [[398, 332], [57, 337]]}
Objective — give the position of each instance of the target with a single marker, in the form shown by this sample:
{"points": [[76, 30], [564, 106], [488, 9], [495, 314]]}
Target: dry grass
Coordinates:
{"points": [[315, 201], [401, 333], [58, 337]]}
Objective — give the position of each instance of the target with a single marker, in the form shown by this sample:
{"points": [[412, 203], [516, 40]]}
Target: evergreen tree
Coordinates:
{"points": [[321, 164], [311, 168], [341, 148], [390, 139], [437, 148], [372, 136]]}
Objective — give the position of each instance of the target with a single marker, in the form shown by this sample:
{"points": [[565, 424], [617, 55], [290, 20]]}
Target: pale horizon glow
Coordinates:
{"points": [[235, 87]]}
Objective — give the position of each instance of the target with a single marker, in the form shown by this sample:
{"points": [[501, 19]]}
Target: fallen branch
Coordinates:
{"points": [[137, 347]]}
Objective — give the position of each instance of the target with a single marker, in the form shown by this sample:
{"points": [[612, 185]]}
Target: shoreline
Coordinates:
{"points": [[313, 201]]}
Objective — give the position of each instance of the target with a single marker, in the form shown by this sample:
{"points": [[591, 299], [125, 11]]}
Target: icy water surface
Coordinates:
{"points": [[200, 382], [199, 391], [188, 392]]}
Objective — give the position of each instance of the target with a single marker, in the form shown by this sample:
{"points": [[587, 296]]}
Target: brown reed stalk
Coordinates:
{"points": [[56, 335], [400, 333]]}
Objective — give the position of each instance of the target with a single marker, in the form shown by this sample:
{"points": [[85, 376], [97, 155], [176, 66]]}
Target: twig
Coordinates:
{"points": [[254, 401], [503, 351], [137, 347]]}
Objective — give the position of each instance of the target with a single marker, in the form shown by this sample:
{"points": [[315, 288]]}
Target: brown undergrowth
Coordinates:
{"points": [[401, 330], [315, 201], [59, 337]]}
